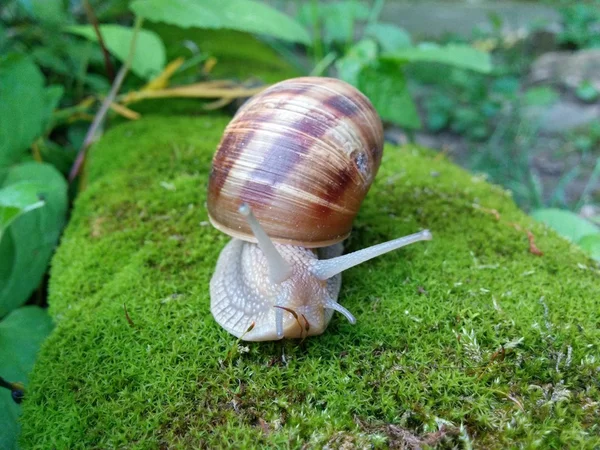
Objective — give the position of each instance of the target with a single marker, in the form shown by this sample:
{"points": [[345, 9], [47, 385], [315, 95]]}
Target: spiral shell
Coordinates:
{"points": [[303, 154]]}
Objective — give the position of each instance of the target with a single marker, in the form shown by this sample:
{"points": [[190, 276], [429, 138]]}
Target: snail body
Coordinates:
{"points": [[287, 181]]}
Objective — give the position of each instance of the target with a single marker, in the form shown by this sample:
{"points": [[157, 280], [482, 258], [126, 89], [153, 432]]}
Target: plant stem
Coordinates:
{"points": [[589, 185], [375, 11], [317, 35], [101, 114], [322, 65], [110, 70]]}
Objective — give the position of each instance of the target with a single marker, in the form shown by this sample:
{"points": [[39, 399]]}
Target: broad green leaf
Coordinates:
{"points": [[566, 223], [21, 334], [239, 54], [61, 157], [243, 15], [16, 200], [360, 55], [49, 11], [22, 106], [391, 37], [456, 55], [333, 22], [149, 58], [385, 84], [46, 58], [591, 244], [339, 19], [28, 243]]}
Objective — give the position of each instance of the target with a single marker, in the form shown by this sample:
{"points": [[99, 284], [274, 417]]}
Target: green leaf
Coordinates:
{"points": [[591, 244], [384, 83], [339, 19], [21, 334], [22, 106], [52, 96], [61, 157], [16, 200], [360, 55], [391, 37], [28, 243], [49, 11], [239, 54], [149, 58], [541, 96], [46, 58], [566, 223], [243, 15], [509, 86], [437, 120], [462, 56]]}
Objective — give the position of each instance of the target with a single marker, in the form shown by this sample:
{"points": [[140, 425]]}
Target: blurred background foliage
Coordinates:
{"points": [[71, 68]]}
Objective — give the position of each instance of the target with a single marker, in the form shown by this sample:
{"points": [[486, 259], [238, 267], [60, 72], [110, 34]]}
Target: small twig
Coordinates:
{"points": [[209, 65], [198, 90], [37, 155], [5, 384], [532, 247], [162, 79], [129, 321], [124, 111], [17, 390], [101, 114], [217, 104], [493, 212], [89, 11]]}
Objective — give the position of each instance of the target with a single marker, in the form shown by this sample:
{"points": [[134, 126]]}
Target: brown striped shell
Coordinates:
{"points": [[303, 154]]}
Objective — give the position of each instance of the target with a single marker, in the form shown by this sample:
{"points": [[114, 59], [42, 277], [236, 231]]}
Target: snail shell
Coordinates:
{"points": [[303, 154]]}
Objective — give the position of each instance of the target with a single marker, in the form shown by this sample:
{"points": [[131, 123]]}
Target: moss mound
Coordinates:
{"points": [[469, 337]]}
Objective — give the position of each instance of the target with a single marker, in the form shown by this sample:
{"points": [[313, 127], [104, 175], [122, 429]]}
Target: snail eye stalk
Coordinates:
{"points": [[327, 268], [279, 269]]}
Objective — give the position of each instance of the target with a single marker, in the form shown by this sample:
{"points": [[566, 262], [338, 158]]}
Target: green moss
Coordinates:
{"points": [[426, 349]]}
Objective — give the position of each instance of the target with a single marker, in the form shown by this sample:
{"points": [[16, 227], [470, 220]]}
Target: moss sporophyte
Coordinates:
{"points": [[423, 362]]}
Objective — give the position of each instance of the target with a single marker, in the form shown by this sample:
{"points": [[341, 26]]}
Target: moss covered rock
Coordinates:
{"points": [[470, 337]]}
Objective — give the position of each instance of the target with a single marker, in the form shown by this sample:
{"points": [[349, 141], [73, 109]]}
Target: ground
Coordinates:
{"points": [[473, 338]]}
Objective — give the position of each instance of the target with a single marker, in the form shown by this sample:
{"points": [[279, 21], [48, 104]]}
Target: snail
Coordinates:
{"points": [[287, 180]]}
